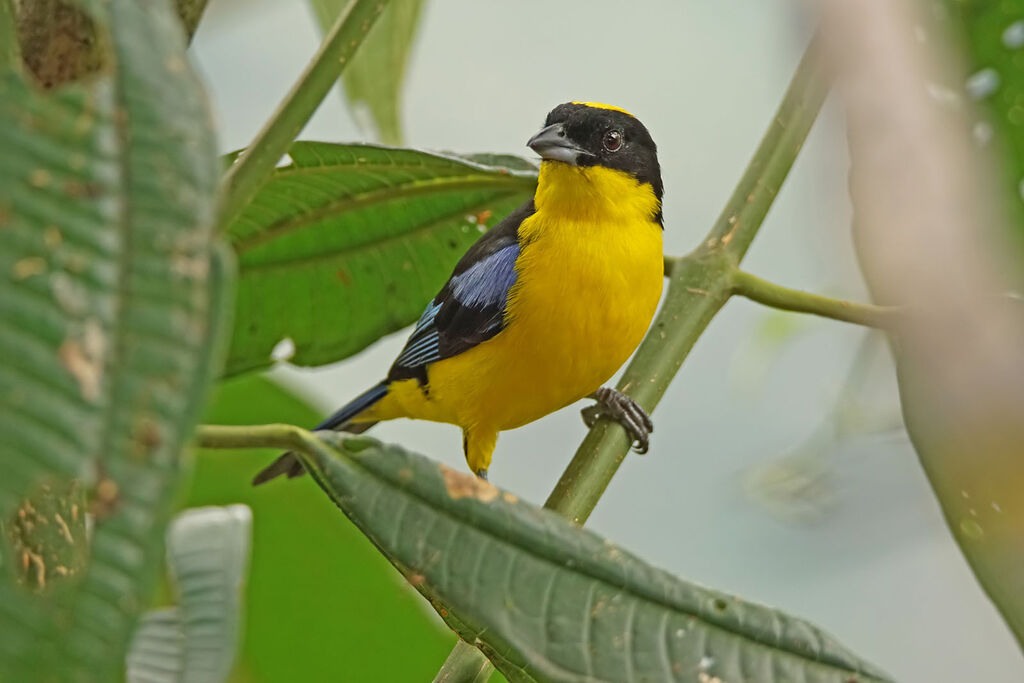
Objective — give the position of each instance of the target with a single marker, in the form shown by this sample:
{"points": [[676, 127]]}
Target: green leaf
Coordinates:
{"points": [[110, 303], [320, 600], [207, 551], [992, 33], [550, 602], [374, 78], [350, 242]]}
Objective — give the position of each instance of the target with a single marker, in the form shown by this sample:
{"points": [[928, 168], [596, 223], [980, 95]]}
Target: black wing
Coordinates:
{"points": [[470, 308]]}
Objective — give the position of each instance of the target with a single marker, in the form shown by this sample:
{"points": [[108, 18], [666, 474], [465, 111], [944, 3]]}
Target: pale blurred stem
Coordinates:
{"points": [[465, 664], [699, 285], [777, 296], [256, 164]]}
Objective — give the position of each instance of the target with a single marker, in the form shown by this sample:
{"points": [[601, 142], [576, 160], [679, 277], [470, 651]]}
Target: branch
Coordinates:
{"points": [[256, 164], [699, 285], [282, 436], [777, 296], [465, 664]]}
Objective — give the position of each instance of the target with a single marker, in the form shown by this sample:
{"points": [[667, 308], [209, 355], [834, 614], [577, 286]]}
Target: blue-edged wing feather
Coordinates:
{"points": [[470, 308]]}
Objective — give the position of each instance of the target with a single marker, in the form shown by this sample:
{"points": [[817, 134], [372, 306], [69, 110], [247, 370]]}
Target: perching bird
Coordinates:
{"points": [[545, 307]]}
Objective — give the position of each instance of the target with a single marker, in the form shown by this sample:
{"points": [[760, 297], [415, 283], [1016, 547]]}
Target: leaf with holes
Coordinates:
{"points": [[547, 601], [372, 83], [349, 242], [207, 551], [110, 304]]}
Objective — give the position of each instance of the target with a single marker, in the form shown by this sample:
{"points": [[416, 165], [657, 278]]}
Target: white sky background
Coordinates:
{"points": [[873, 564]]}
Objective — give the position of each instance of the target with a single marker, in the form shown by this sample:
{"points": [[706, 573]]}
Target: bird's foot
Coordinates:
{"points": [[624, 410], [482, 473]]}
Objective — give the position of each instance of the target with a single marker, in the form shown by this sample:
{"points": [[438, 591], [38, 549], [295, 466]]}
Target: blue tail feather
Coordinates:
{"points": [[288, 464], [354, 407]]}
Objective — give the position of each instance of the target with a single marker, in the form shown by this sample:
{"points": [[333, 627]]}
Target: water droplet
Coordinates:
{"points": [[971, 529], [1013, 36], [706, 662], [283, 350], [1022, 189], [996, 507], [982, 133], [983, 83]]}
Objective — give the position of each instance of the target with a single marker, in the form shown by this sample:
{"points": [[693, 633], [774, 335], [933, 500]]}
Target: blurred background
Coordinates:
{"points": [[778, 470]]}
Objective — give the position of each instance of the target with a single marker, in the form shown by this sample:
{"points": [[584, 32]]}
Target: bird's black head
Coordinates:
{"points": [[591, 134]]}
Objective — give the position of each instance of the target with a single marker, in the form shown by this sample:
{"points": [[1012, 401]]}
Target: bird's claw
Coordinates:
{"points": [[624, 410]]}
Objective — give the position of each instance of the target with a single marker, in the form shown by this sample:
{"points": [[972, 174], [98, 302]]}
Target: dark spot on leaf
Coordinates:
{"points": [[343, 275], [80, 190], [453, 244], [720, 604]]}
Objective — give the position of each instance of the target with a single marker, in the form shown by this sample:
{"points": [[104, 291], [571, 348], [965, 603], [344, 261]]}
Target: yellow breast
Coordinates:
{"points": [[589, 277]]}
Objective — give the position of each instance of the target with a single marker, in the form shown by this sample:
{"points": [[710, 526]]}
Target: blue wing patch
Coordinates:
{"points": [[470, 309]]}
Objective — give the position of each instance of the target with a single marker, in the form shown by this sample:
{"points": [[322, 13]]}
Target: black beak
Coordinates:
{"points": [[552, 144]]}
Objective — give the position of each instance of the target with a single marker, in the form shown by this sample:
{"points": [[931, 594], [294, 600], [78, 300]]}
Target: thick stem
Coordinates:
{"points": [[699, 285], [777, 296], [254, 436], [256, 164]]}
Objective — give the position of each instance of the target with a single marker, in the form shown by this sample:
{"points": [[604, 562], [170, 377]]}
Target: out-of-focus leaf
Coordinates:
{"points": [[992, 32], [928, 210], [350, 242], [109, 314], [547, 601], [372, 83], [207, 552], [319, 597]]}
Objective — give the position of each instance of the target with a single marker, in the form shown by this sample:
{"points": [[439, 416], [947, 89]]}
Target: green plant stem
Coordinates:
{"points": [[256, 164], [699, 285], [465, 664], [255, 436], [777, 296]]}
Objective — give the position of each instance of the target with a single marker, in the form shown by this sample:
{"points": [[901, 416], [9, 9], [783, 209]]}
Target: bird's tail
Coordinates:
{"points": [[340, 421]]}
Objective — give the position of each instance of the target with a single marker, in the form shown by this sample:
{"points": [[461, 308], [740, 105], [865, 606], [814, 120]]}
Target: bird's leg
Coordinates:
{"points": [[478, 446], [624, 410]]}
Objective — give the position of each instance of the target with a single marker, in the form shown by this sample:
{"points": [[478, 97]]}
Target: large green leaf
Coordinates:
{"points": [[349, 242], [550, 602], [373, 81], [321, 604], [993, 36], [109, 310], [207, 552]]}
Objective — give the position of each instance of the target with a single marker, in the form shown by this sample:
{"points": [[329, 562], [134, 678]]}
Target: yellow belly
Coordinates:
{"points": [[585, 294]]}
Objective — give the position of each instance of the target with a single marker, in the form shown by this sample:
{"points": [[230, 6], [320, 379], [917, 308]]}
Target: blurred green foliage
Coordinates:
{"points": [[321, 603]]}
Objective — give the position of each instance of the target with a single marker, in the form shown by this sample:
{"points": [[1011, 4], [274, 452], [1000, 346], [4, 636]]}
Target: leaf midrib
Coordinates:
{"points": [[414, 492], [369, 198], [246, 269]]}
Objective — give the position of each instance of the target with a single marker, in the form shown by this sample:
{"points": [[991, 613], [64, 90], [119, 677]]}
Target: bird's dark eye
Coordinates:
{"points": [[612, 140]]}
